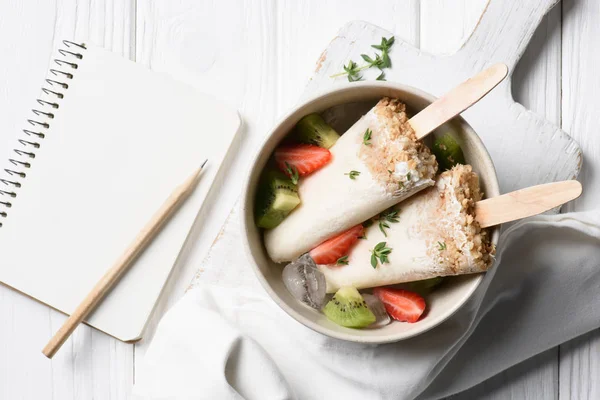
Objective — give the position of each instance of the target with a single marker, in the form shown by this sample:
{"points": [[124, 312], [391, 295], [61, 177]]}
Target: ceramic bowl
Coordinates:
{"points": [[342, 106]]}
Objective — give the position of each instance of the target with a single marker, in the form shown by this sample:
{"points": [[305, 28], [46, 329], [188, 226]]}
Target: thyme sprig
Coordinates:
{"points": [[380, 253], [390, 216], [353, 71], [352, 174], [385, 46], [381, 61], [367, 137]]}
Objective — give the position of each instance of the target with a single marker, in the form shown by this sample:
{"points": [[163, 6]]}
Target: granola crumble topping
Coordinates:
{"points": [[463, 241], [395, 158]]}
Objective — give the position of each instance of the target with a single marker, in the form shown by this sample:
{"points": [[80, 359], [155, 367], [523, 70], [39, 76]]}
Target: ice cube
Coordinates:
{"points": [[377, 308], [305, 282]]}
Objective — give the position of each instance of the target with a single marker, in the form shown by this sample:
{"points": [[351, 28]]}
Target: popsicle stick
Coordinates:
{"points": [[525, 202], [112, 276], [457, 100]]}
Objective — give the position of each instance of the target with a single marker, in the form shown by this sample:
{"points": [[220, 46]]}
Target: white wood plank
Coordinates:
{"points": [[533, 379], [305, 28], [580, 368], [447, 24], [91, 365], [537, 77], [259, 65], [581, 86], [580, 358]]}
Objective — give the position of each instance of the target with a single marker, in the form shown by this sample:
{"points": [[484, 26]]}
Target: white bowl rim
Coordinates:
{"points": [[265, 284]]}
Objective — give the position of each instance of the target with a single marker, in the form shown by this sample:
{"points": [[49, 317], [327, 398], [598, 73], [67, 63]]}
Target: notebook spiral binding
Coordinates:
{"points": [[11, 178]]}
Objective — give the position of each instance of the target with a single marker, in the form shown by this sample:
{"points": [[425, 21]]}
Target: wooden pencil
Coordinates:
{"points": [[112, 276]]}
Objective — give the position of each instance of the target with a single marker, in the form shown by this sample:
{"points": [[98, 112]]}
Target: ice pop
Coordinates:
{"points": [[377, 163], [435, 235]]}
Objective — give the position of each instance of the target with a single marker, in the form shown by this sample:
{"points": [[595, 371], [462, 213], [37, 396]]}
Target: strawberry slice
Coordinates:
{"points": [[402, 305], [305, 158], [333, 249]]}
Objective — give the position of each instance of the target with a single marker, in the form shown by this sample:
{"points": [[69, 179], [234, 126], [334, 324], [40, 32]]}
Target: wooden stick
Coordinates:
{"points": [[112, 276], [525, 202], [457, 100]]}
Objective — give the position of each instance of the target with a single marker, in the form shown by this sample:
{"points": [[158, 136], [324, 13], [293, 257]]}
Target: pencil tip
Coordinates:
{"points": [[204, 163]]}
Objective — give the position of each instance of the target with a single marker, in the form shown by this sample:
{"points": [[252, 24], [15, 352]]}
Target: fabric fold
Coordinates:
{"points": [[234, 342]]}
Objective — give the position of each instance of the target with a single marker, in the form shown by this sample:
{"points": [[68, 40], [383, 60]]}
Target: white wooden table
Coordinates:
{"points": [[257, 56]]}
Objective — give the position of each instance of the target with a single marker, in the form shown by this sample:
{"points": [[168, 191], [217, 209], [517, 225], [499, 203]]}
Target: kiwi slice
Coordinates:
{"points": [[448, 152], [313, 129], [348, 308], [277, 196]]}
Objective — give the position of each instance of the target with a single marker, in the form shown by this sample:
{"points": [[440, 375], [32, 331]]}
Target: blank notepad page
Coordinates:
{"points": [[121, 139]]}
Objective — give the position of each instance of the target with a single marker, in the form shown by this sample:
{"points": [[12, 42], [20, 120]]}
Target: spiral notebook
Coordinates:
{"points": [[105, 145]]}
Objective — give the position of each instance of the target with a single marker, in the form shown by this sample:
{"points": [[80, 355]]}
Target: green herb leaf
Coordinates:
{"points": [[381, 77], [373, 260], [387, 63], [380, 252], [389, 215], [384, 47], [351, 67], [382, 226], [367, 223], [385, 44], [408, 176], [342, 261], [376, 62], [367, 137], [352, 174], [442, 246], [352, 70], [292, 172]]}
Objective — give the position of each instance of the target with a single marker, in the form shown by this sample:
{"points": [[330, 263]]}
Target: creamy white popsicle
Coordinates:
{"points": [[389, 166], [436, 235]]}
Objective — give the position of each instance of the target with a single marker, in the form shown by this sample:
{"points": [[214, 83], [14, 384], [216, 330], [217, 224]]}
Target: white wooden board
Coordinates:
{"points": [[526, 148]]}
